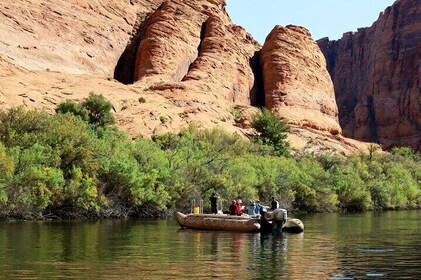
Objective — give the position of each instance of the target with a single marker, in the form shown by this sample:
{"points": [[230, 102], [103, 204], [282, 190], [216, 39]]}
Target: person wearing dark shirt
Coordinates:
{"points": [[233, 208], [214, 203], [274, 204]]}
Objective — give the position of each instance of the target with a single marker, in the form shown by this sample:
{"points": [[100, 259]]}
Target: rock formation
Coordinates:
{"points": [[296, 82], [70, 36], [184, 59], [376, 73], [196, 46]]}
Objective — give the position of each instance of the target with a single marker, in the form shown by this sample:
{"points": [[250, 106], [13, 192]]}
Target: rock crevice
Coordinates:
{"points": [[125, 68], [257, 92], [199, 48]]}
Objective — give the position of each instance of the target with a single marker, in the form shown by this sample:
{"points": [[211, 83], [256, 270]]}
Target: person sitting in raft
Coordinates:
{"points": [[239, 207], [257, 208], [251, 208], [274, 204], [233, 208]]}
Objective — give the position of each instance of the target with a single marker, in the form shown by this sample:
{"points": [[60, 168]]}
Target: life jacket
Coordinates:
{"points": [[239, 209]]}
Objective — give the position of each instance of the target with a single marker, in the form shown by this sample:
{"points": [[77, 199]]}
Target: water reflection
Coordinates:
{"points": [[270, 258], [335, 246], [246, 255]]}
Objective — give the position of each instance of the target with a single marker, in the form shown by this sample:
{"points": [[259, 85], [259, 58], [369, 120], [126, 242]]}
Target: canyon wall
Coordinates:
{"points": [[69, 36], [376, 74], [165, 65]]}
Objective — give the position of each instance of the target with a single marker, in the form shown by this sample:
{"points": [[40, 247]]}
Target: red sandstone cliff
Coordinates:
{"points": [[376, 73], [296, 82], [69, 36], [196, 48], [185, 58]]}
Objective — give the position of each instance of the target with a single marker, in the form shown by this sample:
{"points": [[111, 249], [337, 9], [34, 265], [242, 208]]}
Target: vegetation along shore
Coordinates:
{"points": [[76, 164]]}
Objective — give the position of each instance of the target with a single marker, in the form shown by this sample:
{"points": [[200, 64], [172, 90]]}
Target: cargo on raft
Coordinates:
{"points": [[243, 223]]}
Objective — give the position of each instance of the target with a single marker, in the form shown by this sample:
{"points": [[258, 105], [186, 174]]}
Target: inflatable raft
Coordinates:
{"points": [[218, 222], [234, 223]]}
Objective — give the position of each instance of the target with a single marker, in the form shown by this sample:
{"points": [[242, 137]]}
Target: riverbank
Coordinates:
{"points": [[148, 214], [65, 166]]}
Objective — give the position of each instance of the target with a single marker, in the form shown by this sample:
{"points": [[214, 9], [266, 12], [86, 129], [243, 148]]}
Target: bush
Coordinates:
{"points": [[19, 127], [163, 119], [99, 110], [80, 191], [6, 173], [64, 165], [71, 107], [95, 109], [236, 113], [271, 131]]}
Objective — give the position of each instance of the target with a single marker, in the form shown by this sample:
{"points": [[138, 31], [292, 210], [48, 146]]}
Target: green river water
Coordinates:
{"points": [[379, 245]]}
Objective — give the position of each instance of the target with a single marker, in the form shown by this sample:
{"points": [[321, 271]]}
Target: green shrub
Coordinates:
{"points": [[236, 113], [63, 164], [19, 127], [163, 119], [95, 109], [74, 143], [271, 131], [6, 173], [99, 110], [167, 141], [71, 107], [36, 178], [80, 191]]}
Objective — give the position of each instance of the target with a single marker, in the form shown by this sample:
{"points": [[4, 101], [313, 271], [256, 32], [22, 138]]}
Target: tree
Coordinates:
{"points": [[19, 127], [99, 110], [271, 131], [69, 106], [6, 173], [95, 109], [371, 151]]}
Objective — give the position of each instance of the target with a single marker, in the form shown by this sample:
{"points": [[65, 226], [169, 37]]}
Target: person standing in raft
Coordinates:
{"points": [[274, 204], [214, 203], [233, 208]]}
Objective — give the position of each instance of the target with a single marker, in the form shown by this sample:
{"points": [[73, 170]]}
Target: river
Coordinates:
{"points": [[372, 245]]}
